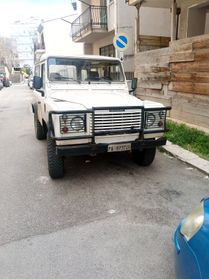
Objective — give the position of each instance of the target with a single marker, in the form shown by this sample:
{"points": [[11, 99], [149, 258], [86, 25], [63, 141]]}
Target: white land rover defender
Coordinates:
{"points": [[83, 106]]}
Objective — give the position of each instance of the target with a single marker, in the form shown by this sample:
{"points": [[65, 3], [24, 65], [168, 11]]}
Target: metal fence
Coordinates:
{"points": [[93, 18]]}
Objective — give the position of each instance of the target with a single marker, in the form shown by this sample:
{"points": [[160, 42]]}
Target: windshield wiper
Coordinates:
{"points": [[61, 78], [106, 79]]}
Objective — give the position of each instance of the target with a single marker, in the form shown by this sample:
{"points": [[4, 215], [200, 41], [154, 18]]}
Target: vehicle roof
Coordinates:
{"points": [[93, 57]]}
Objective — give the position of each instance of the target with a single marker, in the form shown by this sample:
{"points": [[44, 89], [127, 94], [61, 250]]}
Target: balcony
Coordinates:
{"points": [[90, 25], [151, 3]]}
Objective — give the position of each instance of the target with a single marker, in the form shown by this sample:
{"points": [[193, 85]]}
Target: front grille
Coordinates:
{"points": [[116, 121]]}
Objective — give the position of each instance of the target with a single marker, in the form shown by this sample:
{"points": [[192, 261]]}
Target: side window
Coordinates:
{"points": [[43, 74], [37, 71]]}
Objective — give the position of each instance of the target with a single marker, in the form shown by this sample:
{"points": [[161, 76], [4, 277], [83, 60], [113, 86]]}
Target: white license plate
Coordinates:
{"points": [[119, 147]]}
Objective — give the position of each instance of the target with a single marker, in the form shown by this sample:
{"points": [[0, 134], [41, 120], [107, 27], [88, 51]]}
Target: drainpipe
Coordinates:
{"points": [[138, 6], [173, 20], [178, 12], [116, 24]]}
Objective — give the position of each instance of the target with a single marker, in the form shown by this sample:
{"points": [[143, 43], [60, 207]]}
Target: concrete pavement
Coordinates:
{"points": [[107, 218], [187, 157]]}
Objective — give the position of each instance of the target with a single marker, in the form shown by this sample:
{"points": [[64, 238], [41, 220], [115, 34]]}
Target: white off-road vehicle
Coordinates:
{"points": [[83, 106]]}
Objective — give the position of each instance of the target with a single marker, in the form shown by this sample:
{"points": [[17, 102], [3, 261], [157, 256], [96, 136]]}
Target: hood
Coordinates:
{"points": [[97, 98]]}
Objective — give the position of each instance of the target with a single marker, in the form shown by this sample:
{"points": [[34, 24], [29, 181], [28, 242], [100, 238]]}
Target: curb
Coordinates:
{"points": [[187, 157]]}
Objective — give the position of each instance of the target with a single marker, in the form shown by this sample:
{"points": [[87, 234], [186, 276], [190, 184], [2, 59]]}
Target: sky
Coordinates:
{"points": [[57, 31], [12, 10]]}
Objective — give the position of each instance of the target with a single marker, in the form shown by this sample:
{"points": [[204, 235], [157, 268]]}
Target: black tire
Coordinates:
{"points": [[144, 157], [6, 83], [55, 163], [40, 130]]}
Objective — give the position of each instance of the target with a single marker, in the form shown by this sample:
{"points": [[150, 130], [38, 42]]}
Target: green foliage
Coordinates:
{"points": [[26, 70], [191, 139]]}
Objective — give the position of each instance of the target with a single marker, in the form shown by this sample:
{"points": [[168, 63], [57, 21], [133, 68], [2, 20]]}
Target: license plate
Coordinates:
{"points": [[119, 147]]}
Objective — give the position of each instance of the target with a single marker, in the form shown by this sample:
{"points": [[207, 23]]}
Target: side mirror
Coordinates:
{"points": [[134, 84], [37, 82]]}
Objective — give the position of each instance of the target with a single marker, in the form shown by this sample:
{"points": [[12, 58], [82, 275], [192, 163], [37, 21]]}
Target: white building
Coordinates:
{"points": [[101, 20], [23, 32]]}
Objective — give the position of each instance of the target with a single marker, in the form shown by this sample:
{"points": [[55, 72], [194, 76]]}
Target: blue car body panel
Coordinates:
{"points": [[192, 257], [186, 263]]}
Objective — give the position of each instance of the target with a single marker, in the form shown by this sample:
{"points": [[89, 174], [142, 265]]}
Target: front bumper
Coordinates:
{"points": [[88, 149]]}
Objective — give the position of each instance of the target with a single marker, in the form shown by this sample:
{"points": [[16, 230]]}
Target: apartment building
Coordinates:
{"points": [[184, 16], [194, 18], [101, 20], [23, 32]]}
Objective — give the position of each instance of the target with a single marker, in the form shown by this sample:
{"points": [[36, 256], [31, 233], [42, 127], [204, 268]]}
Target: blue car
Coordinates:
{"points": [[191, 241]]}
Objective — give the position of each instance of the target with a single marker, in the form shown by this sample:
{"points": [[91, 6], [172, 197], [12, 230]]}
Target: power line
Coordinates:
{"points": [[57, 18]]}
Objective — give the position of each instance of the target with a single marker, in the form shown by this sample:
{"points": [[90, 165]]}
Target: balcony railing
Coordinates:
{"points": [[92, 19]]}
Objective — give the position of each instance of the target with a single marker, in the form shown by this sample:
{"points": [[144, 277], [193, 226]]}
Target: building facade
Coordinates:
{"points": [[101, 20], [179, 74], [23, 32]]}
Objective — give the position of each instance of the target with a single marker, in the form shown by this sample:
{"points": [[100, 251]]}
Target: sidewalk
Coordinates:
{"points": [[187, 157]]}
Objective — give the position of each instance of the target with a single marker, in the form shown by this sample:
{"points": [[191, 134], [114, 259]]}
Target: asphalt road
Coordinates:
{"points": [[107, 218]]}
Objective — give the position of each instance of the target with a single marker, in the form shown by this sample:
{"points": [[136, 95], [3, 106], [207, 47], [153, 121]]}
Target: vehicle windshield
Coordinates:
{"points": [[84, 70]]}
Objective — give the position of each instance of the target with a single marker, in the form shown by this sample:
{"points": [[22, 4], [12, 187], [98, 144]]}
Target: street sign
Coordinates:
{"points": [[121, 41]]}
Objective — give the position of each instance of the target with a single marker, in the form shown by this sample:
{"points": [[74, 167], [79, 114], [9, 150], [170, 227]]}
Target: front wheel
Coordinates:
{"points": [[40, 130], [144, 157], [55, 162]]}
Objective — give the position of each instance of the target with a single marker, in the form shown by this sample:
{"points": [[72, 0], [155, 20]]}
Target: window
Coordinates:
{"points": [[103, 2], [84, 70], [107, 51], [43, 75], [37, 71], [62, 69], [198, 13]]}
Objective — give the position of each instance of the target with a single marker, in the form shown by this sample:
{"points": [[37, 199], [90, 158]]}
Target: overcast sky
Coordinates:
{"points": [[12, 10], [57, 33]]}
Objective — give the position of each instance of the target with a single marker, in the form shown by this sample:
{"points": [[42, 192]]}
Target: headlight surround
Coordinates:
{"points": [[193, 222], [155, 119], [72, 123]]}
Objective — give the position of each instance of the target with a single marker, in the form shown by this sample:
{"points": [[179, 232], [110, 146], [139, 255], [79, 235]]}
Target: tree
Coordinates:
{"points": [[8, 53], [26, 70]]}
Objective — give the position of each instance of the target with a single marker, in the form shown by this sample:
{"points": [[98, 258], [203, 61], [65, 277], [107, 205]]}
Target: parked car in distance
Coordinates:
{"points": [[1, 85], [191, 241], [30, 81], [4, 80]]}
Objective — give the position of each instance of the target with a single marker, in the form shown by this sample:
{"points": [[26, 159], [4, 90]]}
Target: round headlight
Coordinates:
{"points": [[77, 123], [150, 119], [193, 222], [162, 114]]}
